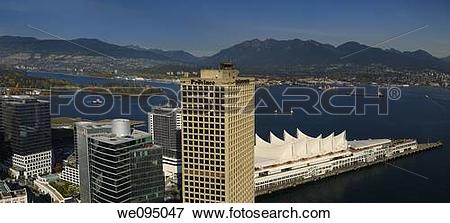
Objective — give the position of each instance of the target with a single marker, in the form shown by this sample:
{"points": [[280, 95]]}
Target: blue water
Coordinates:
{"points": [[415, 115], [121, 107]]}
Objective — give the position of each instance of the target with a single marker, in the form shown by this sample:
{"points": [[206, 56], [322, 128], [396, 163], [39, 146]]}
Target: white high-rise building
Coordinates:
{"points": [[164, 125]]}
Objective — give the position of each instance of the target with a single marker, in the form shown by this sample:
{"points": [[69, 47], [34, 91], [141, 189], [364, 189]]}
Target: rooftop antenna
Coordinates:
{"points": [[227, 65]]}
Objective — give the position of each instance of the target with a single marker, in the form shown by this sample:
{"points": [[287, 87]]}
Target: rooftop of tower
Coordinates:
{"points": [[225, 74], [113, 139]]}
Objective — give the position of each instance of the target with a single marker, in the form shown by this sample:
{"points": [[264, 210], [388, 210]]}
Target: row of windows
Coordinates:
{"points": [[38, 171], [191, 143], [204, 189], [206, 156], [205, 167], [204, 117], [203, 88], [205, 94], [203, 110], [200, 152], [203, 101], [204, 199], [220, 138], [205, 179], [204, 131]]}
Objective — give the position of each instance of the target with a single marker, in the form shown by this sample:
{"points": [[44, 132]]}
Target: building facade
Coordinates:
{"points": [[164, 124], [82, 131], [123, 166], [2, 136], [27, 133], [218, 136], [31, 165], [70, 172]]}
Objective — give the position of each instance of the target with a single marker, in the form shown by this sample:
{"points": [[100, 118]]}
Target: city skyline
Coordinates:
{"points": [[225, 154], [181, 26]]}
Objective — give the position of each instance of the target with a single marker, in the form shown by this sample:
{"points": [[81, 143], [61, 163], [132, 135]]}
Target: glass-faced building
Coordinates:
{"points": [[218, 136], [26, 124], [82, 131], [123, 166]]}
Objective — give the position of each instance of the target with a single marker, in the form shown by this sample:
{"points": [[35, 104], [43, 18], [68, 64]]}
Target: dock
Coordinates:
{"points": [[420, 148]]}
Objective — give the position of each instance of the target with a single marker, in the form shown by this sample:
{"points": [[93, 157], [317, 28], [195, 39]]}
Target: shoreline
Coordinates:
{"points": [[272, 82], [167, 81]]}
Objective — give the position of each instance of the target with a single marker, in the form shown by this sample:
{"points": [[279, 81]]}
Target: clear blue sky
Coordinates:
{"points": [[204, 27]]}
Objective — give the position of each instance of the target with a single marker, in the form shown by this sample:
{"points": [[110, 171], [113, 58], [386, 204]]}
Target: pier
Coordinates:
{"points": [[298, 181]]}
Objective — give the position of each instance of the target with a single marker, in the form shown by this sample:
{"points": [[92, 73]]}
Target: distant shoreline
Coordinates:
{"points": [[168, 81]]}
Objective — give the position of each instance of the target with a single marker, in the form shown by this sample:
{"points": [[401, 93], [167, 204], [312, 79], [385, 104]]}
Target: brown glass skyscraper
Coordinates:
{"points": [[218, 136]]}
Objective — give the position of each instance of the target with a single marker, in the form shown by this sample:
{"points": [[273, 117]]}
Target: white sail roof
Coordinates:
{"points": [[302, 146], [288, 137], [261, 142], [274, 140]]}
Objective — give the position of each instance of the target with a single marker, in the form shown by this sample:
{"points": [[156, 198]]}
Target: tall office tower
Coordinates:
{"points": [[122, 166], [164, 124], [27, 132], [218, 136], [3, 151]]}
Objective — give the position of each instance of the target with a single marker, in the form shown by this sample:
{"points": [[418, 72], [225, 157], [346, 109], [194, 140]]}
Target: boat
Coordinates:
{"points": [[97, 101]]}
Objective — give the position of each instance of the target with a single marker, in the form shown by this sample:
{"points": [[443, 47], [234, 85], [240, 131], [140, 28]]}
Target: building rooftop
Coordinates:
{"points": [[105, 123], [21, 99], [114, 139], [94, 125], [363, 144], [5, 192], [49, 177], [165, 110], [19, 96], [263, 162], [226, 74]]}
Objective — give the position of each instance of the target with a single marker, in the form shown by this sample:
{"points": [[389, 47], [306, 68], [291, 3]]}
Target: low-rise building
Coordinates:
{"points": [[12, 196], [70, 172], [32, 164]]}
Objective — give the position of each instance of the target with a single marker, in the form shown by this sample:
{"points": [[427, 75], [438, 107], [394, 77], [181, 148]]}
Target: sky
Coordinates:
{"points": [[204, 27]]}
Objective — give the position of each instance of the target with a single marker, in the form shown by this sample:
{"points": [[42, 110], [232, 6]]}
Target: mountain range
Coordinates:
{"points": [[279, 54], [268, 55], [446, 59]]}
